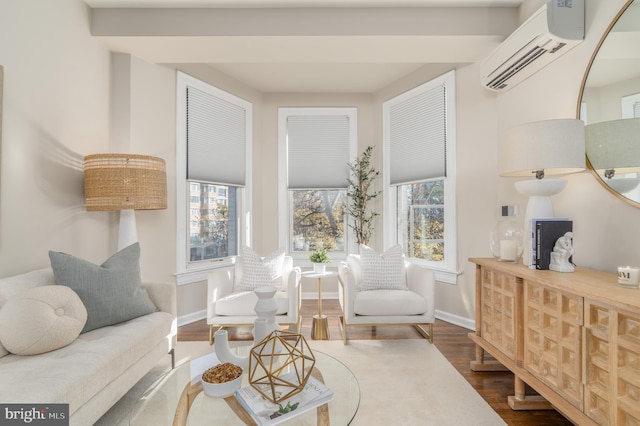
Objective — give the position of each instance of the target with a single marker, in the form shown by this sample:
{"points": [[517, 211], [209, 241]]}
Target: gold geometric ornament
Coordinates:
{"points": [[280, 365]]}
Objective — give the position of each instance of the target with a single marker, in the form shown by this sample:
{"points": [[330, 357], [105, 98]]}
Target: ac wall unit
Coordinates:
{"points": [[550, 32]]}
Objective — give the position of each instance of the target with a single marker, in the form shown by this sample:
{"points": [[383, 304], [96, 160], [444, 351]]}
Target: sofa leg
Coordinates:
{"points": [[172, 352], [428, 333]]}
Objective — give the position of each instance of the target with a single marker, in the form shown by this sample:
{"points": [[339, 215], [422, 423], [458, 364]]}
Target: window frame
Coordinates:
{"points": [[446, 271], [188, 272], [284, 195]]}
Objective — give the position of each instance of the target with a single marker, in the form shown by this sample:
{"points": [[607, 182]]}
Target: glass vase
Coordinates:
{"points": [[506, 241]]}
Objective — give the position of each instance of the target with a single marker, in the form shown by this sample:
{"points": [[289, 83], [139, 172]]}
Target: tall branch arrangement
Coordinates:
{"points": [[360, 193]]}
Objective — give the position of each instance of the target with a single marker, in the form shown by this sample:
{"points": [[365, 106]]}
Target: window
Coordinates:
{"points": [[631, 106], [419, 164], [317, 220], [211, 232], [315, 148], [212, 167], [421, 220]]}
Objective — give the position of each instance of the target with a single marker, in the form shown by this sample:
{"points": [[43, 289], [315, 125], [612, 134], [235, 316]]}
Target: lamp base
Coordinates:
{"points": [[623, 185], [538, 206], [127, 231]]}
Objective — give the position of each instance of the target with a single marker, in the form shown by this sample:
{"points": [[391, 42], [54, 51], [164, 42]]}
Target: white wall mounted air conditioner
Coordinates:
{"points": [[549, 33]]}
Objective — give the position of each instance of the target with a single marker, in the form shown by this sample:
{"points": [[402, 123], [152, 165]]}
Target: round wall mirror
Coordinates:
{"points": [[610, 106]]}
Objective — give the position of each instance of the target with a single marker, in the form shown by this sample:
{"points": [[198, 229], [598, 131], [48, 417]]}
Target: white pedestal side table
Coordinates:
{"points": [[320, 325]]}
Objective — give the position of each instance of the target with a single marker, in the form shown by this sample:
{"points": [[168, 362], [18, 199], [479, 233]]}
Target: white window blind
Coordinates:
{"points": [[317, 151], [216, 139], [418, 137]]}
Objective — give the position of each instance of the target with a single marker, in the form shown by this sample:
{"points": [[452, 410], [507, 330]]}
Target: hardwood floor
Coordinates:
{"points": [[452, 341]]}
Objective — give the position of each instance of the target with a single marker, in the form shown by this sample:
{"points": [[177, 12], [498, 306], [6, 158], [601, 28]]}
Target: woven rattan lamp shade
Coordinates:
{"points": [[124, 181]]}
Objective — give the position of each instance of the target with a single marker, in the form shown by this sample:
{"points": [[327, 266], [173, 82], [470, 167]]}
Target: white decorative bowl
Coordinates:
{"points": [[222, 390]]}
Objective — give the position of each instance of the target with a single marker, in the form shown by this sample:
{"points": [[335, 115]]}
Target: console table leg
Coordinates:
{"points": [[479, 354], [480, 364], [518, 388], [520, 401]]}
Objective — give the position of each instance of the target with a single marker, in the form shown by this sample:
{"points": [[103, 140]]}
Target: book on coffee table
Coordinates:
{"points": [[266, 413]]}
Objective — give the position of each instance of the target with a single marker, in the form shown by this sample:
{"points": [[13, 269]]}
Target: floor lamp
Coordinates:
{"points": [[125, 182], [540, 149]]}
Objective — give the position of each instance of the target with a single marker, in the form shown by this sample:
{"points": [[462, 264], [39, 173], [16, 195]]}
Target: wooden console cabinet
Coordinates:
{"points": [[572, 337]]}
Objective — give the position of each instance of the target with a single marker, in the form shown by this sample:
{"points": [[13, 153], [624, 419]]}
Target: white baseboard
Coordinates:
{"points": [[192, 317], [456, 320], [441, 315], [314, 295]]}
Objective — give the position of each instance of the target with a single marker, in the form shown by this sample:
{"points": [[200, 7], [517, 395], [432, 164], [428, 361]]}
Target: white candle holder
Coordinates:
{"points": [[506, 241], [628, 276]]}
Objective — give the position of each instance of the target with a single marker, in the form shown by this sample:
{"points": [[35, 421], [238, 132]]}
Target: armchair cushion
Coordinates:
{"points": [[258, 271], [244, 303], [389, 302], [384, 271]]}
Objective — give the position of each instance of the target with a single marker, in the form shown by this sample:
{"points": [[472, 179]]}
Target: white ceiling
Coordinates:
{"points": [[307, 45], [300, 3]]}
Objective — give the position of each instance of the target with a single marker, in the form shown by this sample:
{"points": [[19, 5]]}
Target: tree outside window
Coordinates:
{"points": [[421, 220], [318, 220]]}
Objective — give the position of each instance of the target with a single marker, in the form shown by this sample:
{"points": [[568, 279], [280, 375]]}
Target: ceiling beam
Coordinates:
{"points": [[342, 21]]}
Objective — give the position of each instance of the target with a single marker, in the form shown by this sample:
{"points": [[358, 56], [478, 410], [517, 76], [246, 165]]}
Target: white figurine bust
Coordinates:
{"points": [[562, 252]]}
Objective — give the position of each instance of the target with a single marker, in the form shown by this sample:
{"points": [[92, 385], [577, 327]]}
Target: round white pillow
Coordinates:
{"points": [[41, 319]]}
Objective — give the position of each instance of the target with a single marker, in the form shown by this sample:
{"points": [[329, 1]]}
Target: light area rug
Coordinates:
{"points": [[402, 382]]}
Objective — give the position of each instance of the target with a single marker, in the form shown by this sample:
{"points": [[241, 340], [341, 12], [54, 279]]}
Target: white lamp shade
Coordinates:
{"points": [[555, 146], [614, 145]]}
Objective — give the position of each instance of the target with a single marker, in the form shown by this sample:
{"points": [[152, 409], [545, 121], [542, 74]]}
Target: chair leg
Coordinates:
{"points": [[428, 333], [212, 334], [343, 328]]}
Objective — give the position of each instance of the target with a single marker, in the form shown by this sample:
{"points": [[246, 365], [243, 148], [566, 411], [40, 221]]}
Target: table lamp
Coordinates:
{"points": [[125, 182], [613, 149], [540, 149]]}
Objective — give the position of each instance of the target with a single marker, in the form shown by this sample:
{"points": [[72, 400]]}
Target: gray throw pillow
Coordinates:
{"points": [[111, 292]]}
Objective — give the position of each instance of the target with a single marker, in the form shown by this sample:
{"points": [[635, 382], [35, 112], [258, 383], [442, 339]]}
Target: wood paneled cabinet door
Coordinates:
{"points": [[498, 304], [553, 339], [612, 376]]}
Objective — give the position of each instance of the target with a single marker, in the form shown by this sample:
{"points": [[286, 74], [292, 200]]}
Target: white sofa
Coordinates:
{"points": [[100, 366]]}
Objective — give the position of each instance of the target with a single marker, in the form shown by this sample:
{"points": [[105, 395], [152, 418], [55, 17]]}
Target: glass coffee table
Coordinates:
{"points": [[172, 399]]}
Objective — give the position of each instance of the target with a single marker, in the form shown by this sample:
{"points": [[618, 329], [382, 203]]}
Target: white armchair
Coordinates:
{"points": [[360, 307], [229, 307]]}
